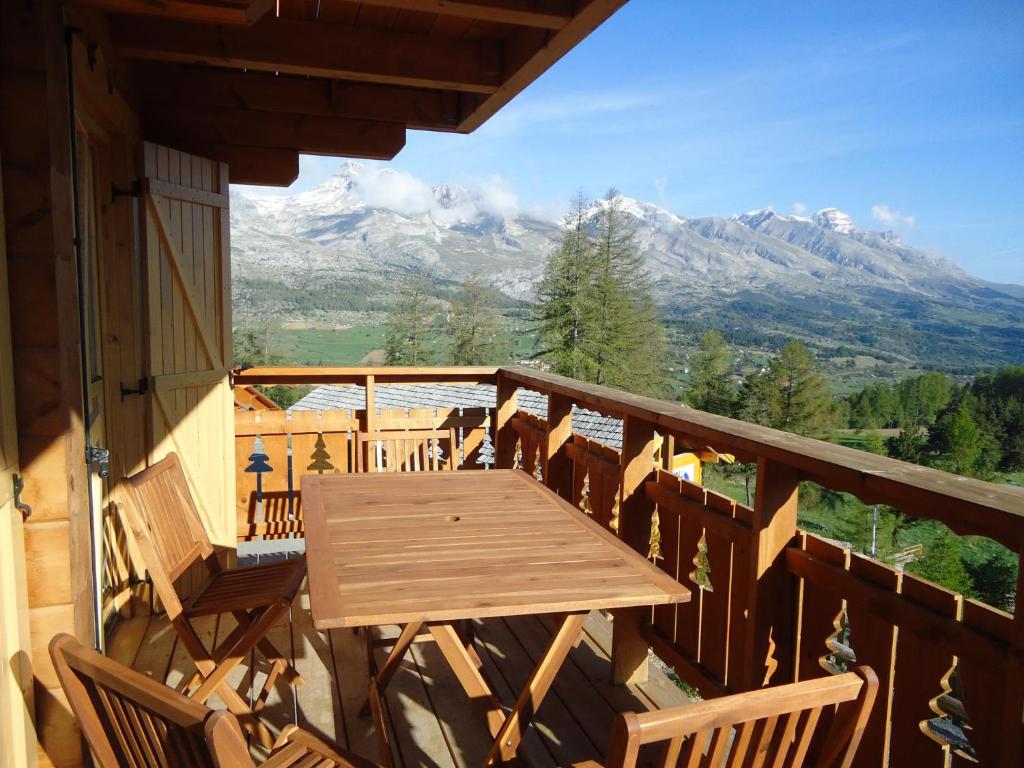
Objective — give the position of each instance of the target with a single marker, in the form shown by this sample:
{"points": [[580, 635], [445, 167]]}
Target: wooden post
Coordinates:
{"points": [[1013, 708], [504, 434], [557, 464], [629, 649], [767, 652]]}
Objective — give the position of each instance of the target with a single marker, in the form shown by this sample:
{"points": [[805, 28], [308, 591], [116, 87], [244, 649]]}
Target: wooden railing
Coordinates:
{"points": [[772, 604]]}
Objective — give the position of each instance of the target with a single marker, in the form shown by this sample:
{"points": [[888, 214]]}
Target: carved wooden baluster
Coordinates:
{"points": [[258, 465], [585, 495], [321, 458], [654, 548], [951, 722], [840, 657], [701, 573]]}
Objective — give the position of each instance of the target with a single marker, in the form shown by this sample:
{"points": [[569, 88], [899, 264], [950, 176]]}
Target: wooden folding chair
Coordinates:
{"points": [[129, 719], [171, 538], [770, 727], [411, 450]]}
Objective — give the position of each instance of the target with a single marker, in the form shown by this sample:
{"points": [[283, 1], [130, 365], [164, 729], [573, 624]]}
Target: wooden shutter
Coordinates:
{"points": [[188, 294], [16, 732]]}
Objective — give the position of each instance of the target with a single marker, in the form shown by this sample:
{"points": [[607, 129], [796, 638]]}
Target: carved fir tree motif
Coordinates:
{"points": [[841, 656], [614, 522], [654, 547], [585, 495], [321, 458], [701, 573], [517, 462], [951, 722], [770, 662], [537, 473]]}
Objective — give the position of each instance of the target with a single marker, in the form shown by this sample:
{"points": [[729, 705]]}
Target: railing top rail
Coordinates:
{"points": [[966, 505], [358, 375]]}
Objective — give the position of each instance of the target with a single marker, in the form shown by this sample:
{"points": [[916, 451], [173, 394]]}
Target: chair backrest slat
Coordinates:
{"points": [[131, 720], [769, 728], [166, 524]]}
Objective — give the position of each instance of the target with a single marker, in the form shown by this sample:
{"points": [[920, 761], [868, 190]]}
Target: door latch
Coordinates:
{"points": [[19, 486], [99, 458]]}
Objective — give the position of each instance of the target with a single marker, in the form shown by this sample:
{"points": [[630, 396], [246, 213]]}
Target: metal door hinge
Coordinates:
{"points": [[19, 486], [134, 191], [99, 458], [140, 389]]}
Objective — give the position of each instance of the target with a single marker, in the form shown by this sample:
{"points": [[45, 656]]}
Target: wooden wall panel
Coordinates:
{"points": [[16, 699]]}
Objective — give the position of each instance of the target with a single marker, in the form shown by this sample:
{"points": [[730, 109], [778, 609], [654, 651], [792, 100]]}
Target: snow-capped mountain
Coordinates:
{"points": [[365, 227], [363, 217]]}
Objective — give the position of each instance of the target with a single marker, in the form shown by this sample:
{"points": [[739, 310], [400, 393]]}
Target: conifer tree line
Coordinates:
{"points": [[974, 428], [595, 319], [472, 331]]}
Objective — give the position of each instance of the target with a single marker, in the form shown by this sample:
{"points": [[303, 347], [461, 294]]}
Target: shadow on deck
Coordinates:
{"points": [[433, 723]]}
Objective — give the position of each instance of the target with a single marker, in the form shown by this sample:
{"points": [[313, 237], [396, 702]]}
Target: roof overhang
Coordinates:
{"points": [[256, 83]]}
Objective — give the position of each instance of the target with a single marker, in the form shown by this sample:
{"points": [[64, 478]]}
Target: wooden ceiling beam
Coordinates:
{"points": [[236, 14], [265, 92], [254, 165], [319, 49], [528, 53], [174, 125], [526, 13]]}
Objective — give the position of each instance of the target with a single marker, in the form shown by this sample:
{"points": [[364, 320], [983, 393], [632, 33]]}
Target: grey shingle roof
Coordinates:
{"points": [[591, 425]]}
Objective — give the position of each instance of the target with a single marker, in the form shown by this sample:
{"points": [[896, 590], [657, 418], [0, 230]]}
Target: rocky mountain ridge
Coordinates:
{"points": [[365, 227]]}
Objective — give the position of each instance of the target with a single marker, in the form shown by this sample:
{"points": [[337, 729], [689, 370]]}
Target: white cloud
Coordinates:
{"points": [[890, 217], [395, 190], [496, 197], [799, 208], [661, 184]]}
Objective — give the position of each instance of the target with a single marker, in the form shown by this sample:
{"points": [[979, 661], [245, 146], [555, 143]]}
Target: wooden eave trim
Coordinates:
{"points": [[526, 57], [514, 12]]}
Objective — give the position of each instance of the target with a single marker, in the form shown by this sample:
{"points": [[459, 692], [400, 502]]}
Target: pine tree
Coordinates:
{"points": [[476, 327], [942, 563], [802, 403], [756, 397], [709, 388], [908, 445], [407, 338], [598, 320], [565, 313], [630, 342]]}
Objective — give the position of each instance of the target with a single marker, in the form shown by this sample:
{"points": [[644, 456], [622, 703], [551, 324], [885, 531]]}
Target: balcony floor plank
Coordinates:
{"points": [[434, 724]]}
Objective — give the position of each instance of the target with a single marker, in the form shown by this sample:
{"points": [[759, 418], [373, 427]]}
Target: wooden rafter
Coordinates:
{"points": [[304, 133], [187, 86], [526, 13], [239, 13], [320, 49], [255, 165]]}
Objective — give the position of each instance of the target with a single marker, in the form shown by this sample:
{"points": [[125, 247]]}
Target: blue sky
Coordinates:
{"points": [[908, 116]]}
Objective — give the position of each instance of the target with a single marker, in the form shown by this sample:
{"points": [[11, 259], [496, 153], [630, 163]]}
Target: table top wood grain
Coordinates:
{"points": [[392, 548]]}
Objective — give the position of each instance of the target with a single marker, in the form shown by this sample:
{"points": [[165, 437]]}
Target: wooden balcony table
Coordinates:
{"points": [[434, 549]]}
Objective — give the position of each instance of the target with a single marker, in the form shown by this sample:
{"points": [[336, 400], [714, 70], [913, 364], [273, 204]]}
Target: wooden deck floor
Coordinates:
{"points": [[433, 723]]}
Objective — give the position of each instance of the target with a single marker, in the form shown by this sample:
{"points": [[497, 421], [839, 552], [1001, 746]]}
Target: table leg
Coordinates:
{"points": [[387, 671], [464, 663], [629, 649], [529, 701]]}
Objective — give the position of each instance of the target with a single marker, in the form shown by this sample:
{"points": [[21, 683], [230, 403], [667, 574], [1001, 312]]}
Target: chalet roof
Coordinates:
{"points": [[594, 426], [255, 82]]}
